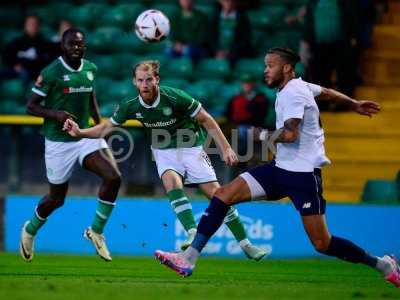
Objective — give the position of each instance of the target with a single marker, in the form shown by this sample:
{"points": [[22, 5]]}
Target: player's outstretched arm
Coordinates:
{"points": [[34, 108], [97, 131], [215, 131], [363, 107]]}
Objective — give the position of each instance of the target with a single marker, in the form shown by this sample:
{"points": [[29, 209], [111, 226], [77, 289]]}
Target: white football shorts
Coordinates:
{"points": [[193, 164], [61, 157]]}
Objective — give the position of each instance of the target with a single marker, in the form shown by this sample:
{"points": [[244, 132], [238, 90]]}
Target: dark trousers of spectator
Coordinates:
{"points": [[335, 57]]}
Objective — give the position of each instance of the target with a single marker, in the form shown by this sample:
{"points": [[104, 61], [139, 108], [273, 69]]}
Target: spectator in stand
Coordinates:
{"points": [[331, 41], [247, 110], [188, 32], [296, 19], [25, 56], [230, 34], [55, 44], [250, 107]]}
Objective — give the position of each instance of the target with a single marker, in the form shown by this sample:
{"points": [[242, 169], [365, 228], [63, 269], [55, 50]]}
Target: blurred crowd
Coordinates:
{"points": [[331, 36]]}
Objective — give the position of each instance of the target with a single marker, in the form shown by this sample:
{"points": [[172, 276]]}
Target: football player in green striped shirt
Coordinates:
{"points": [[178, 126], [64, 90]]}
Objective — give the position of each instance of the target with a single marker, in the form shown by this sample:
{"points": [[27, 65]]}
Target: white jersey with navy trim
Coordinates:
{"points": [[296, 100]]}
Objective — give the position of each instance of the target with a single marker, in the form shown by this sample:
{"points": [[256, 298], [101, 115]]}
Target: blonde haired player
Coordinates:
{"points": [[178, 125]]}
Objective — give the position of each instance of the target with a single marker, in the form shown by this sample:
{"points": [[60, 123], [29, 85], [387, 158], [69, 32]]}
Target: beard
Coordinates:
{"points": [[276, 82]]}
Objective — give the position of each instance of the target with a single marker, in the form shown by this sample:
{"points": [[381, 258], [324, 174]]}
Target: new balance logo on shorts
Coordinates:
{"points": [[307, 205]]}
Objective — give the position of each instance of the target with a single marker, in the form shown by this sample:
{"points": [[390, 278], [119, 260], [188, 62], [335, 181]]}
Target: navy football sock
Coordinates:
{"points": [[210, 222], [346, 250]]}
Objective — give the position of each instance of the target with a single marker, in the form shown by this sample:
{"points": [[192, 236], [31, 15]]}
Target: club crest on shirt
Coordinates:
{"points": [[167, 111], [39, 81], [66, 78], [89, 75]]}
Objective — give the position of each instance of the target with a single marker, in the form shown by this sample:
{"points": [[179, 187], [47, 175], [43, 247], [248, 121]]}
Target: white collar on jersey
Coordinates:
{"points": [[294, 78], [150, 106], [68, 67]]}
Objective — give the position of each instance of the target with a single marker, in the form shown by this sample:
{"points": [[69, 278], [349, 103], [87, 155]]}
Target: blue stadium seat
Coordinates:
{"points": [[271, 16], [178, 68], [88, 14], [103, 87], [168, 8], [107, 66], [12, 90], [103, 40], [123, 89], [254, 67], [178, 83], [213, 68], [123, 15], [380, 191], [221, 100], [199, 93]]}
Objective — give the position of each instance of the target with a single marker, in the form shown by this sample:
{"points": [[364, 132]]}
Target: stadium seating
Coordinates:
{"points": [[213, 68], [10, 16], [269, 16], [12, 90], [123, 15], [106, 66], [103, 90], [169, 9], [179, 83], [362, 148], [178, 68], [254, 67], [198, 92], [380, 191], [103, 40], [351, 141], [120, 90], [222, 97], [206, 8]]}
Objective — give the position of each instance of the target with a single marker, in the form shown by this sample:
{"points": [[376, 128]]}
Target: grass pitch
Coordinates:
{"points": [[88, 277]]}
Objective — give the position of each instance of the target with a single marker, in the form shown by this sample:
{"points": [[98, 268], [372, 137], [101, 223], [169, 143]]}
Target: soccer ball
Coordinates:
{"points": [[152, 26]]}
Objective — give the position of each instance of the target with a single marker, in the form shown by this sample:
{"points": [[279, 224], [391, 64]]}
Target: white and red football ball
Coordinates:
{"points": [[152, 26]]}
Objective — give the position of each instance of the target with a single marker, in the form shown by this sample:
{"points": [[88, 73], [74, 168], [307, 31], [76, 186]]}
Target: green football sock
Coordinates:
{"points": [[34, 224], [182, 208], [234, 224], [103, 212]]}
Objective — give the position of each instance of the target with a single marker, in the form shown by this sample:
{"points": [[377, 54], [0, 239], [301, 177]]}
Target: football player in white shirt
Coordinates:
{"points": [[295, 172]]}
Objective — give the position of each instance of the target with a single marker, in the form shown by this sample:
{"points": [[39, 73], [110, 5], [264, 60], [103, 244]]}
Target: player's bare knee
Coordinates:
{"points": [[220, 193], [113, 179], [224, 194], [321, 245]]}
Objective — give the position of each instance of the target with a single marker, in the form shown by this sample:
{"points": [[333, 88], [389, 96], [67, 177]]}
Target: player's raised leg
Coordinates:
{"points": [[324, 242], [235, 225], [102, 163], [50, 202], [232, 193], [173, 185]]}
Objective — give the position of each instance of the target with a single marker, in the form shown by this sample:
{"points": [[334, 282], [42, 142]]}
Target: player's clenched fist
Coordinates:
{"points": [[72, 128]]}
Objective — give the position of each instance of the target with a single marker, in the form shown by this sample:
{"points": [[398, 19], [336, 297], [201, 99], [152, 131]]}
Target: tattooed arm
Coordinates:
{"points": [[289, 133]]}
